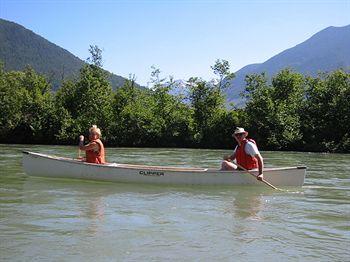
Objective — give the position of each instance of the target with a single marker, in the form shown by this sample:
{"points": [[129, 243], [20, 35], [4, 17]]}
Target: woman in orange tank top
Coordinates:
{"points": [[95, 152]]}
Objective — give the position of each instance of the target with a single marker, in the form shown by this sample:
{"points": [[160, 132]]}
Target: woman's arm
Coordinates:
{"points": [[90, 146]]}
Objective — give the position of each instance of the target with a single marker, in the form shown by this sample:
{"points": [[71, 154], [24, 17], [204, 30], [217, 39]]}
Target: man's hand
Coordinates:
{"points": [[260, 177], [227, 158]]}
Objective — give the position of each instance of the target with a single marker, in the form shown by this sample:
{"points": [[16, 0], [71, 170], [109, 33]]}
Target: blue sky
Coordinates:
{"points": [[182, 38]]}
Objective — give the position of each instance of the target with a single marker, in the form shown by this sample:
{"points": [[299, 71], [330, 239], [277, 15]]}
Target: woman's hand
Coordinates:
{"points": [[81, 141]]}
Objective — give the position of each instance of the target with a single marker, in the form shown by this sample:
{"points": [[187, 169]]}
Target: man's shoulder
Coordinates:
{"points": [[251, 148], [251, 141]]}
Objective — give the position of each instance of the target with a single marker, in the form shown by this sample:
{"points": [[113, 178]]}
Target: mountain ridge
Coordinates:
{"points": [[324, 51], [20, 47]]}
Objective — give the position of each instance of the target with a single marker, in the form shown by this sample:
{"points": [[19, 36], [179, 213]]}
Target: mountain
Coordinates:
{"points": [[20, 47], [325, 51]]}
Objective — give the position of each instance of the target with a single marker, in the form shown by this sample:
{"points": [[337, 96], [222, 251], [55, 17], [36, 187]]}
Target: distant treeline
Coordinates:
{"points": [[291, 112]]}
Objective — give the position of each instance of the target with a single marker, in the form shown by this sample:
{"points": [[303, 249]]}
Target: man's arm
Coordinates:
{"points": [[261, 167], [232, 157], [252, 149]]}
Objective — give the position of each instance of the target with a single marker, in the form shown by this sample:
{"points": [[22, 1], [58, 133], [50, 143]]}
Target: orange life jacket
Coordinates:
{"points": [[96, 157], [243, 159]]}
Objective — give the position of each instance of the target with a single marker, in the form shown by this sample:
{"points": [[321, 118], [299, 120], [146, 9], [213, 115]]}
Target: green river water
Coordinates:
{"points": [[45, 219]]}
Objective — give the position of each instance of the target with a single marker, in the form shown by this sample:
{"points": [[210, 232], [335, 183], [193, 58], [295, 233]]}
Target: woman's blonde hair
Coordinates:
{"points": [[95, 130]]}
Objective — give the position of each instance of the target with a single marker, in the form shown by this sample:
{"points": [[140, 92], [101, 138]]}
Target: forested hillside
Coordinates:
{"points": [[325, 51], [20, 47]]}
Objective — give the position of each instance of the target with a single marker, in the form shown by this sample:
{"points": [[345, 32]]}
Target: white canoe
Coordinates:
{"points": [[42, 165]]}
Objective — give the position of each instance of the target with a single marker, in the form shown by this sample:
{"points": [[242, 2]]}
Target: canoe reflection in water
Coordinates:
{"points": [[95, 211], [247, 204]]}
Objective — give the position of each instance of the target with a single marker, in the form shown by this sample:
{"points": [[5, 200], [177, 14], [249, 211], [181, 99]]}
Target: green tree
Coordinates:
{"points": [[273, 110], [27, 107], [150, 117], [133, 114], [213, 123], [10, 103], [172, 116], [87, 100], [95, 56], [207, 104], [221, 68], [326, 115]]}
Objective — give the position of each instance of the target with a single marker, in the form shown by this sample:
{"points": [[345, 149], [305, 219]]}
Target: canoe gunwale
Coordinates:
{"points": [[116, 165], [160, 168]]}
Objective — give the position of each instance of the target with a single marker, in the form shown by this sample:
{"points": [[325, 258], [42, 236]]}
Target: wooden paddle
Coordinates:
{"points": [[263, 180]]}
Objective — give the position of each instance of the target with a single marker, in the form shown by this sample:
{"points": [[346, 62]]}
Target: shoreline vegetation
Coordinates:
{"points": [[292, 112]]}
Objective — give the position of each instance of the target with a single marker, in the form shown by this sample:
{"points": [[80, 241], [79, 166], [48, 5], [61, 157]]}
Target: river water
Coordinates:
{"points": [[72, 220]]}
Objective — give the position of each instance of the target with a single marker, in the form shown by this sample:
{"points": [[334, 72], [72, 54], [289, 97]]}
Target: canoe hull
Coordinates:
{"points": [[35, 164]]}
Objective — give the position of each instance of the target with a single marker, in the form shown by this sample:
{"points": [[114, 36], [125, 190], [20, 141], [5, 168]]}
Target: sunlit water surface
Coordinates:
{"points": [[75, 220]]}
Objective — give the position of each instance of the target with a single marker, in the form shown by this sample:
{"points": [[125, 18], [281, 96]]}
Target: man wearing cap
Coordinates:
{"points": [[246, 154]]}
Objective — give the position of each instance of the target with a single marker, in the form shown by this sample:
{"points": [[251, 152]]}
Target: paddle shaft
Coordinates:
{"points": [[263, 180]]}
